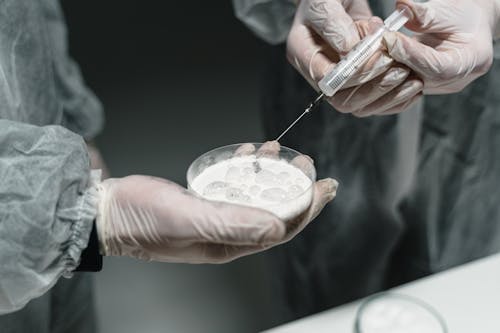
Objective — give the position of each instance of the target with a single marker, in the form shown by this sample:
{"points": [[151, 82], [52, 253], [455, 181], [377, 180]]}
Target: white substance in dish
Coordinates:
{"points": [[398, 315], [277, 186]]}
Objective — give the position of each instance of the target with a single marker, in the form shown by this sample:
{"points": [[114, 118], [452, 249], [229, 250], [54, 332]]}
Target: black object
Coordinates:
{"points": [[91, 259]]}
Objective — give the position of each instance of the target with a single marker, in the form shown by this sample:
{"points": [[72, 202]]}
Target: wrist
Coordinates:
{"points": [[101, 221]]}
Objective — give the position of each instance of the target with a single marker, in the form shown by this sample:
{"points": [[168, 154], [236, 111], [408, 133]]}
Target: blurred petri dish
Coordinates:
{"points": [[396, 313]]}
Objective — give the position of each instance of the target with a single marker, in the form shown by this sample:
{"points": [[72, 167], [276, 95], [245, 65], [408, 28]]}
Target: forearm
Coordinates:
{"points": [[47, 205]]}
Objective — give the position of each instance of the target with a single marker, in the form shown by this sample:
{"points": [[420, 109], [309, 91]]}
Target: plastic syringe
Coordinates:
{"points": [[349, 65]]}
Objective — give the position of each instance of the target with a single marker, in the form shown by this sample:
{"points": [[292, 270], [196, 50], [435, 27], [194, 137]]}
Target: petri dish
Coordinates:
{"points": [[279, 181], [396, 313]]}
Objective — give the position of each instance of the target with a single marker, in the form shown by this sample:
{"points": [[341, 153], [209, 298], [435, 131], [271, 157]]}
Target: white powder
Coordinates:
{"points": [[275, 185], [398, 315]]}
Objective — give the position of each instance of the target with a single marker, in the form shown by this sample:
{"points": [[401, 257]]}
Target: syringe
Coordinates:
{"points": [[345, 69]]}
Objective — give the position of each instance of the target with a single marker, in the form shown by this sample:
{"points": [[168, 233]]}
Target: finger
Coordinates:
{"points": [[245, 149], [378, 63], [305, 164], [330, 20], [421, 15], [401, 107], [353, 99], [397, 96], [269, 149], [324, 192], [434, 16], [424, 60], [358, 10], [369, 26], [310, 55]]}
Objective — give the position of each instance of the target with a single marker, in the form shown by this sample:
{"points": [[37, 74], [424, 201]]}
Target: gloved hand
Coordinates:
{"points": [[454, 46], [154, 219], [324, 30]]}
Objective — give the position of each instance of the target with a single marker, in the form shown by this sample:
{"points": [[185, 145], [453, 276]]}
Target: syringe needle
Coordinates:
{"points": [[309, 108], [292, 124]]}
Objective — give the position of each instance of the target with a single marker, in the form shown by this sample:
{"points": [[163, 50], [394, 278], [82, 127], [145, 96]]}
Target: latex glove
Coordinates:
{"points": [[96, 160], [454, 46], [155, 219], [322, 31]]}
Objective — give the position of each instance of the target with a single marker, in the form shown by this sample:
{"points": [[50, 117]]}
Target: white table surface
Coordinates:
{"points": [[467, 297]]}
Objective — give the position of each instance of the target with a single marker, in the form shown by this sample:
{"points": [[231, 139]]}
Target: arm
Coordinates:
{"points": [[47, 207], [49, 200], [268, 19]]}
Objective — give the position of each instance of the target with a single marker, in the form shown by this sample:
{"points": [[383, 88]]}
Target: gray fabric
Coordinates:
{"points": [[46, 208], [47, 194], [66, 308], [268, 19], [400, 214], [418, 192]]}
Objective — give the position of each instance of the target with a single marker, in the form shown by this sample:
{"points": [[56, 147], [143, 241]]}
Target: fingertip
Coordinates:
{"points": [[269, 149], [328, 186], [302, 160], [304, 163], [325, 191], [417, 13], [271, 145], [245, 149], [374, 23], [400, 47]]}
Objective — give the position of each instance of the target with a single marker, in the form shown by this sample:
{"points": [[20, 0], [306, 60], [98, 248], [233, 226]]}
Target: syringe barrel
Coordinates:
{"points": [[345, 69], [349, 65]]}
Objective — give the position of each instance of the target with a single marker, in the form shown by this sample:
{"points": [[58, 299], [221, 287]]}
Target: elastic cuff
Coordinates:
{"points": [[81, 228], [91, 259]]}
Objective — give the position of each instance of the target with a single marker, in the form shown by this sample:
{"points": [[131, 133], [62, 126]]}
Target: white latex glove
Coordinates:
{"points": [[454, 45], [322, 31], [154, 219]]}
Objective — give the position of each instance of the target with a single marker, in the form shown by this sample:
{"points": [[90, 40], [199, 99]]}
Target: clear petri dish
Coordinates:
{"points": [[396, 313], [279, 181]]}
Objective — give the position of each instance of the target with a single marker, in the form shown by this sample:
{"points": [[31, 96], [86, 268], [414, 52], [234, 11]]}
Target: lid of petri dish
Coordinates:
{"points": [[395, 313]]}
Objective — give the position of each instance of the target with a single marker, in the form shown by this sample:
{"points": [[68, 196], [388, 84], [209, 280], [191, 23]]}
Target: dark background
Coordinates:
{"points": [[176, 79]]}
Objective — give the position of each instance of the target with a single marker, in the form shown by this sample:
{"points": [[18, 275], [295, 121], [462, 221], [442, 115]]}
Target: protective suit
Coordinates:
{"points": [[420, 190], [48, 194]]}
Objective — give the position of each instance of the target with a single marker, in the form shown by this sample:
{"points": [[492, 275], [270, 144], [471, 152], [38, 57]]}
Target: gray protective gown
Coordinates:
{"points": [[419, 192], [47, 192]]}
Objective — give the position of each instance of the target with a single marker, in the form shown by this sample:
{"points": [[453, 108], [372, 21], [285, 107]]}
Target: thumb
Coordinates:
{"points": [[438, 16], [325, 191], [240, 225], [423, 59]]}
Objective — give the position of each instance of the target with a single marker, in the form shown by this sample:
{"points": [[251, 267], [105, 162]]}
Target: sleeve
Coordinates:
{"points": [[270, 20], [82, 111], [48, 198]]}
